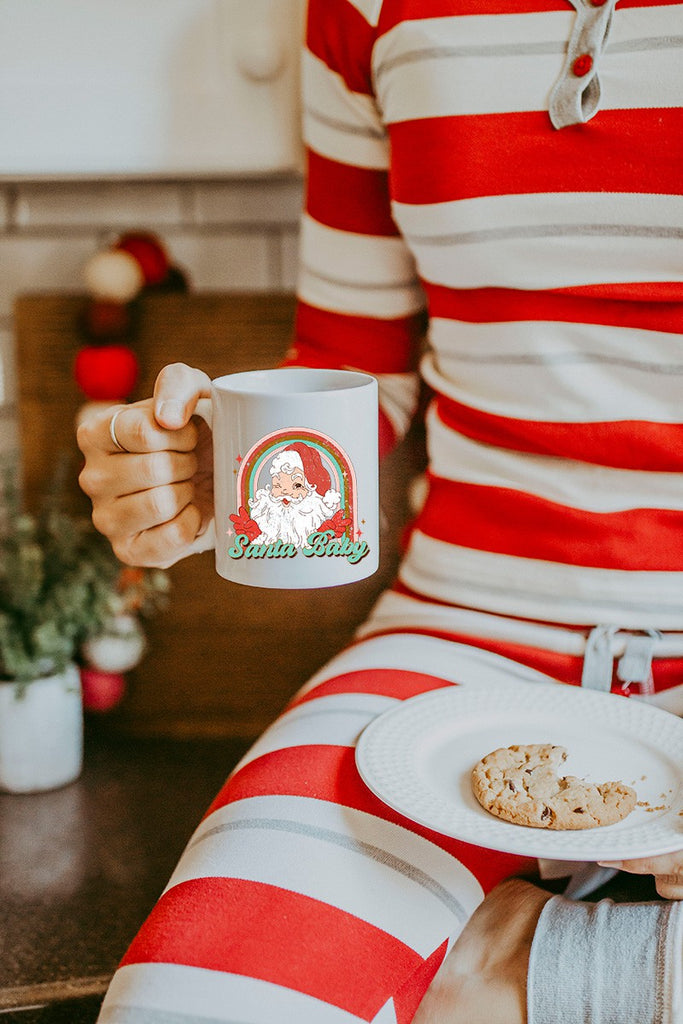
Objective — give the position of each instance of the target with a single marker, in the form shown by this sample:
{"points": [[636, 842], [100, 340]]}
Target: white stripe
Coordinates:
{"points": [[387, 1015], [398, 397], [370, 9], [636, 23], [537, 589], [337, 719], [560, 372], [340, 124], [396, 611], [375, 871], [443, 659], [547, 258], [627, 80], [441, 221], [445, 79], [365, 275], [412, 848], [440, 67], [579, 485], [141, 993]]}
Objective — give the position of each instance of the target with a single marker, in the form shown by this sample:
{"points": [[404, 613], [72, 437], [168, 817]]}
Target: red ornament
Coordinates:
{"points": [[106, 373], [149, 252], [102, 691]]}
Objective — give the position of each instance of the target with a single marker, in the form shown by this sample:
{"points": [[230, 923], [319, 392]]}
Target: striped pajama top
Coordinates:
{"points": [[513, 169]]}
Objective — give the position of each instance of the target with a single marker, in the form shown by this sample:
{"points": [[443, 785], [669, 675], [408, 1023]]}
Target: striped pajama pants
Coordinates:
{"points": [[301, 897]]}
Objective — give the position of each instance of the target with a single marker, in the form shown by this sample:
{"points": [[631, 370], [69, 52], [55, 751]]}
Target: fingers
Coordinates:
{"points": [[163, 545], [152, 499], [137, 431], [666, 864], [146, 509], [667, 870], [669, 887], [177, 389], [102, 480]]}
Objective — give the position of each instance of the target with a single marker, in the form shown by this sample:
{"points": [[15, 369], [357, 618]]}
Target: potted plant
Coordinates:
{"points": [[60, 588]]}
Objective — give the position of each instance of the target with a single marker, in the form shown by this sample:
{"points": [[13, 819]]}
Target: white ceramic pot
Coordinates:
{"points": [[41, 733]]}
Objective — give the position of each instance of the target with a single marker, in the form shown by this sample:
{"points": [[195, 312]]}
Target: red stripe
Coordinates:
{"points": [[338, 34], [623, 444], [388, 437], [266, 932], [349, 198], [632, 291], [407, 999], [506, 305], [517, 153], [416, 10], [332, 339], [327, 772], [385, 682], [510, 522]]}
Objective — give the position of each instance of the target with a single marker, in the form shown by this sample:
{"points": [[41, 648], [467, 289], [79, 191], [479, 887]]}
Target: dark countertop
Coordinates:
{"points": [[81, 867]]}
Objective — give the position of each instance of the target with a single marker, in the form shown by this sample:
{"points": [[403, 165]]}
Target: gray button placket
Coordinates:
{"points": [[575, 97]]}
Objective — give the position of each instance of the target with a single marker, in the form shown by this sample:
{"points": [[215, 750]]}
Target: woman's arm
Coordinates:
{"points": [[360, 303]]}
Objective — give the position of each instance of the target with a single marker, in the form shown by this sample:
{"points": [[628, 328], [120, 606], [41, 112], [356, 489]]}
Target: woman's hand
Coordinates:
{"points": [[154, 500], [667, 870]]}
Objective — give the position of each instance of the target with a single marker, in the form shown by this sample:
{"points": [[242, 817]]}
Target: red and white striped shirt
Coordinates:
{"points": [[549, 262]]}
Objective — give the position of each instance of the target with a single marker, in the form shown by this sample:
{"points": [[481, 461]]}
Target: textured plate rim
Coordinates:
{"points": [[583, 845]]}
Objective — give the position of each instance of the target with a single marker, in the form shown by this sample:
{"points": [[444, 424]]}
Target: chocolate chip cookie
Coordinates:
{"points": [[522, 784]]}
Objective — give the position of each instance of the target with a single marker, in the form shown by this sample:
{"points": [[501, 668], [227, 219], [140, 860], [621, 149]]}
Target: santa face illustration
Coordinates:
{"points": [[298, 501]]}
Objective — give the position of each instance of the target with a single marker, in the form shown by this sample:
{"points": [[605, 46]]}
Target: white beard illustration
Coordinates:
{"points": [[291, 523]]}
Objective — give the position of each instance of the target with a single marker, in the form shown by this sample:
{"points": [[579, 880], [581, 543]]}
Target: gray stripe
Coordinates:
{"points": [[147, 1015], [345, 126], [565, 359], [327, 835], [365, 285], [495, 50], [550, 231], [652, 43], [479, 50]]}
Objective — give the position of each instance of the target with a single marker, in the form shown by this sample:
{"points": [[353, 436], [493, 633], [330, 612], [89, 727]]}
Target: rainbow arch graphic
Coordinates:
{"points": [[254, 469]]}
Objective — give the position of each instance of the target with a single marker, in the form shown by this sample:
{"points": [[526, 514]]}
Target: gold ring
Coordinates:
{"points": [[112, 433]]}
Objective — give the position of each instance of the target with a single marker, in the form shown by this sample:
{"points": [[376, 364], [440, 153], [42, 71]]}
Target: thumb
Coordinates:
{"points": [[176, 392]]}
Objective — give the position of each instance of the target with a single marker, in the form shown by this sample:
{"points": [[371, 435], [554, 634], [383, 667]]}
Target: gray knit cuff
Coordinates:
{"points": [[606, 963]]}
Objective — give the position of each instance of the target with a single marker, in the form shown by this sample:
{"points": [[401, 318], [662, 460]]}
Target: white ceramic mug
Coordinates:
{"points": [[295, 476]]}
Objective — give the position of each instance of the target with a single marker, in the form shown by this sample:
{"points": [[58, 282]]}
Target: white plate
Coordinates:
{"points": [[418, 756]]}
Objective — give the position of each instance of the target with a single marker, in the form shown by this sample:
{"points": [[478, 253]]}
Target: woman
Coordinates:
{"points": [[515, 173]]}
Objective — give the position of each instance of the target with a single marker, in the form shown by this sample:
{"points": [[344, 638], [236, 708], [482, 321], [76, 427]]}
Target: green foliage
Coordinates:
{"points": [[60, 583]]}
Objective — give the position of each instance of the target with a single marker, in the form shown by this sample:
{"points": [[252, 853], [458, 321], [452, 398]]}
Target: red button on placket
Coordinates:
{"points": [[582, 65]]}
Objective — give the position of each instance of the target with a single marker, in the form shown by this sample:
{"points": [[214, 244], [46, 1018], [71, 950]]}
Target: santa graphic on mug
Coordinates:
{"points": [[298, 502]]}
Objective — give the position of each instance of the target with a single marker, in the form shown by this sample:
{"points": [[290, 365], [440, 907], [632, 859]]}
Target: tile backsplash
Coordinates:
{"points": [[226, 235]]}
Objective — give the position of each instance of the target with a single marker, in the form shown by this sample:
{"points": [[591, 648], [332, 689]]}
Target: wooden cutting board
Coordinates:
{"points": [[222, 659]]}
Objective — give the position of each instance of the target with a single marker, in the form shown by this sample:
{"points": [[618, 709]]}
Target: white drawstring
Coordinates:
{"points": [[634, 666], [598, 659]]}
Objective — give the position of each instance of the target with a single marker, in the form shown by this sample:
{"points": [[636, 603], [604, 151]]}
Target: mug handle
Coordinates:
{"points": [[206, 541]]}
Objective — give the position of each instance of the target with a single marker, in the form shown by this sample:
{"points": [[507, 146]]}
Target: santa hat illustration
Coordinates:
{"points": [[301, 456]]}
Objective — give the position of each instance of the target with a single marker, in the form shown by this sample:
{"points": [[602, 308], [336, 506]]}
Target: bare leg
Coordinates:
{"points": [[483, 978]]}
